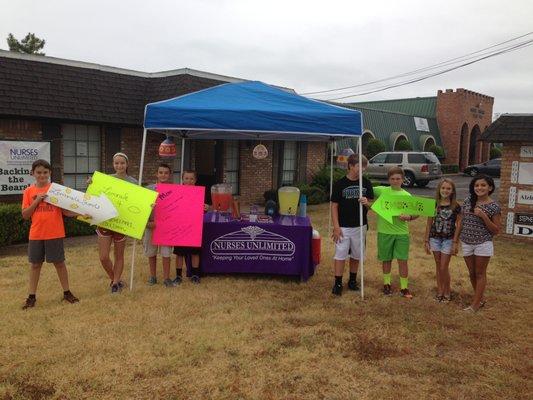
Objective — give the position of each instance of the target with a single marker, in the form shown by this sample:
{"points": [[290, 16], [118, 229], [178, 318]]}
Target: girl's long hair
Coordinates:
{"points": [[473, 195], [453, 195]]}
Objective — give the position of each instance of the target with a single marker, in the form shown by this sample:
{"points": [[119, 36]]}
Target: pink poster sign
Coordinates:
{"points": [[179, 215]]}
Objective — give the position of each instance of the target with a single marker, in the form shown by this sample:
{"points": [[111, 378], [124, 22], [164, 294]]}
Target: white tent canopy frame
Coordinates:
{"points": [[219, 135]]}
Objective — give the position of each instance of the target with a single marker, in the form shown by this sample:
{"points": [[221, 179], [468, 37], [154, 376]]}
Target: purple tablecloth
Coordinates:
{"points": [[282, 247]]}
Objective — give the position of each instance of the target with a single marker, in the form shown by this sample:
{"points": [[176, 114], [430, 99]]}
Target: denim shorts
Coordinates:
{"points": [[441, 245]]}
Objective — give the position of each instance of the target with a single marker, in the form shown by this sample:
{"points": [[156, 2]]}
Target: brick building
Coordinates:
{"points": [[515, 132], [89, 112], [454, 120]]}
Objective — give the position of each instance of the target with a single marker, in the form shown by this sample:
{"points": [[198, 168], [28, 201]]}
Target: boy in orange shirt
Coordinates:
{"points": [[46, 232]]}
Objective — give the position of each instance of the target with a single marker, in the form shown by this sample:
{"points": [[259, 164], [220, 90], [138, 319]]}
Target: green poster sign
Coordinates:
{"points": [[133, 203], [388, 206]]}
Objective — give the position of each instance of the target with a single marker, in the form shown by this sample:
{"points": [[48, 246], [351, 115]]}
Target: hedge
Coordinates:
{"points": [[449, 168], [374, 146], [14, 229], [495, 153]]}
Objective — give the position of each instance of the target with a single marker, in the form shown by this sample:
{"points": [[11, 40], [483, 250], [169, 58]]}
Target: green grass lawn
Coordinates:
{"points": [[266, 337]]}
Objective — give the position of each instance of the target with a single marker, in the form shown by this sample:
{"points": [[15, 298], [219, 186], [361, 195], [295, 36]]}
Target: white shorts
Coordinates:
{"points": [[350, 243], [485, 249], [150, 250]]}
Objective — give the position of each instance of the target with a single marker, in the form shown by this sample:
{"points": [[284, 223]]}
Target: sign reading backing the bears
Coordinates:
{"points": [[133, 203], [389, 206]]}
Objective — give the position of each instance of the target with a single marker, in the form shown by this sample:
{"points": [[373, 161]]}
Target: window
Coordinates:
{"points": [[290, 163], [231, 164], [394, 158], [81, 153], [422, 158], [379, 159]]}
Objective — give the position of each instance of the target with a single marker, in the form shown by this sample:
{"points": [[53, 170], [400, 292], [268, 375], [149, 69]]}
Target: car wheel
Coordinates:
{"points": [[422, 183], [473, 172], [409, 179]]}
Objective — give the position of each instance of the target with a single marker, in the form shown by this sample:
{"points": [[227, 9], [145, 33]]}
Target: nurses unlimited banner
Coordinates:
{"points": [[16, 158]]}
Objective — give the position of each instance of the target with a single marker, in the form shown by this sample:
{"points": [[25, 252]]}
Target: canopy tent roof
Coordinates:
{"points": [[247, 110]]}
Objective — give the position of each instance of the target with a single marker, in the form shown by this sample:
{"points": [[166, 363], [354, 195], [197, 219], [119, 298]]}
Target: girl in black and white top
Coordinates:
{"points": [[480, 222]]}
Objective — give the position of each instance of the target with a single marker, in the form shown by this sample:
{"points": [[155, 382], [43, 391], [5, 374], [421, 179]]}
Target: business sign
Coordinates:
{"points": [[16, 158], [523, 225], [526, 151], [525, 197], [252, 243], [525, 173], [523, 230], [523, 219], [421, 124]]}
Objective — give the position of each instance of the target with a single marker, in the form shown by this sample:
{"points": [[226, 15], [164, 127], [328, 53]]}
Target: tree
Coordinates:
{"points": [[495, 152], [374, 147], [403, 145], [437, 150], [31, 44]]}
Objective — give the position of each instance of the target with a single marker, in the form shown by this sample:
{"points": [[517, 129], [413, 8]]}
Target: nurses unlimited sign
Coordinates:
{"points": [[16, 159]]}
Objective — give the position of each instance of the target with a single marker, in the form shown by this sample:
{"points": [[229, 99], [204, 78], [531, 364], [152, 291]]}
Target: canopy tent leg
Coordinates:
{"points": [[143, 148], [182, 158], [330, 186], [361, 237]]}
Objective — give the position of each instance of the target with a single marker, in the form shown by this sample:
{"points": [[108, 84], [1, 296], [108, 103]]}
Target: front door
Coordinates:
{"points": [[208, 162]]}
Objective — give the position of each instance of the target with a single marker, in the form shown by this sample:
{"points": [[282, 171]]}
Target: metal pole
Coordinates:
{"points": [[182, 158], [330, 186], [362, 238], [132, 269]]}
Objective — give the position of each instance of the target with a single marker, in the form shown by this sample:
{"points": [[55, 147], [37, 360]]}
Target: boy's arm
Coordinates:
{"points": [[337, 233], [68, 213], [28, 211]]}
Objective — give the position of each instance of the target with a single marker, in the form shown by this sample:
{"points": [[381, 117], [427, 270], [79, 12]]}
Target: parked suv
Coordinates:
{"points": [[420, 167]]}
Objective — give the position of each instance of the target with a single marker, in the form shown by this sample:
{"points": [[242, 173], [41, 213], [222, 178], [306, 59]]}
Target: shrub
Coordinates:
{"points": [[403, 145], [373, 147], [437, 150], [449, 168], [495, 152], [315, 194], [271, 194], [321, 178], [14, 229]]}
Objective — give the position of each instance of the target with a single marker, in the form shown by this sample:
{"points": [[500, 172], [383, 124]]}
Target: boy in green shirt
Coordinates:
{"points": [[393, 239]]}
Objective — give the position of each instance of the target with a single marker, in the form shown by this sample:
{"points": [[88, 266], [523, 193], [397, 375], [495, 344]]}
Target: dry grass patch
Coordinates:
{"points": [[266, 337]]}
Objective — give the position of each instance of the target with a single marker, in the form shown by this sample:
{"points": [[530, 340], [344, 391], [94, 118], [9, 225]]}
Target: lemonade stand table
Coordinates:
{"points": [[279, 248]]}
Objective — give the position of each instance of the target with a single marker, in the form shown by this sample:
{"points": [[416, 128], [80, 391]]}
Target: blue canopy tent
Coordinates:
{"points": [[250, 110]]}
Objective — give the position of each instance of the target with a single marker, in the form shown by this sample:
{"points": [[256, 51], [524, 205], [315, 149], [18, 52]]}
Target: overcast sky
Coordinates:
{"points": [[305, 45]]}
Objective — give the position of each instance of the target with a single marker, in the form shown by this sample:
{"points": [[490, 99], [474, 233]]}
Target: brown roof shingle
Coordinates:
{"points": [[510, 128], [31, 86]]}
